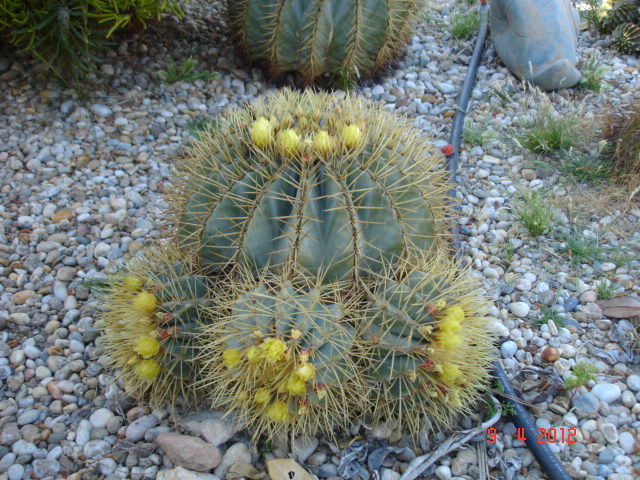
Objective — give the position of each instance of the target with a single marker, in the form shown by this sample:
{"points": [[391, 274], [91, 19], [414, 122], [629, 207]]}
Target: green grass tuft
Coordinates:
{"points": [[532, 212], [593, 72], [185, 73], [549, 132], [548, 313], [581, 374], [463, 24], [592, 169], [605, 289], [474, 135]]}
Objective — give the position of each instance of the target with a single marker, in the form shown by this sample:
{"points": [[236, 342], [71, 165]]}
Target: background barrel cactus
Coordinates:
{"points": [[430, 349], [311, 184], [345, 38], [284, 357], [153, 312]]}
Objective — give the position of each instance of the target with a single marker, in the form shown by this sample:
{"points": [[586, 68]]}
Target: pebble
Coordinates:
{"points": [[216, 427], [606, 392], [138, 428], [303, 447], [101, 110], [96, 448], [190, 452], [519, 309], [587, 403], [508, 349], [180, 473], [238, 452], [100, 418]]}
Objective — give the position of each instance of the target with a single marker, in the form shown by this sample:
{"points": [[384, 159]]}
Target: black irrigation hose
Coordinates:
{"points": [[521, 419]]}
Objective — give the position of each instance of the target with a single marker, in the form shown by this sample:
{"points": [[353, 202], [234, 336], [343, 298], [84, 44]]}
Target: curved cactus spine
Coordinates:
{"points": [[430, 350], [310, 184], [283, 357], [314, 37], [153, 313]]}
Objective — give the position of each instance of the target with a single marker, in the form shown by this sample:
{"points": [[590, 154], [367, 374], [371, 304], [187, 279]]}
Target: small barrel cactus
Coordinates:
{"points": [[343, 38], [153, 311], [310, 183], [627, 38], [430, 350], [283, 358]]}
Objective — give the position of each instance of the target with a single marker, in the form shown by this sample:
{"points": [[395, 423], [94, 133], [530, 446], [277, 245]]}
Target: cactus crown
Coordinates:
{"points": [[153, 313], [283, 357], [308, 184]]}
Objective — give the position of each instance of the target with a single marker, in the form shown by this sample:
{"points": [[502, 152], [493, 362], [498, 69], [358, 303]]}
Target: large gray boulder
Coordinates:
{"points": [[536, 40]]}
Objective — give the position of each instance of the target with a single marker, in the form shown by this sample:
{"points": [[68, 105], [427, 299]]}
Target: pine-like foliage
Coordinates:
{"points": [[153, 313], [343, 38], [306, 183]]}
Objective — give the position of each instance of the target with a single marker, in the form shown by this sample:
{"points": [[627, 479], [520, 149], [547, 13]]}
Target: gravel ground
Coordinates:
{"points": [[82, 184]]}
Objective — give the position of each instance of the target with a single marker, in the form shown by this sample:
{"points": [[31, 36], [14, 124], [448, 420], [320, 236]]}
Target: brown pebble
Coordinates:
{"points": [[550, 354], [529, 174], [189, 452], [61, 215], [21, 297]]}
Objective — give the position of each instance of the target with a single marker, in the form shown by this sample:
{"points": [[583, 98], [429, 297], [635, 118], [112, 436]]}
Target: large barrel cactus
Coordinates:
{"points": [[154, 309], [429, 344], [283, 357], [311, 184], [315, 37]]}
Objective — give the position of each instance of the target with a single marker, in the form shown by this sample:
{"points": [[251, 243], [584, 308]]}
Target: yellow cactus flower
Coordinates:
{"points": [[296, 334], [131, 284], [450, 373], [304, 356], [147, 346], [148, 370], [263, 395], [253, 354], [441, 305], [278, 412], [145, 302], [412, 375], [305, 371], [454, 313], [454, 399], [261, 132], [289, 141], [232, 357], [323, 142], [449, 325], [449, 340], [296, 386], [351, 135], [273, 349]]}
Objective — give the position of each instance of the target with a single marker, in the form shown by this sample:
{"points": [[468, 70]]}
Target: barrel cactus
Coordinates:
{"points": [[153, 309], [309, 183], [345, 38], [283, 357], [627, 38], [430, 350]]}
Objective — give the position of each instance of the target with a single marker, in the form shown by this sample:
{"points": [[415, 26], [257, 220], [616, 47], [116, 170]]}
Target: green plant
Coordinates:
{"points": [[283, 357], [324, 187], [623, 146], [318, 38], [548, 313], [153, 311], [463, 24], [474, 135], [627, 38], [429, 346], [583, 250], [605, 289], [593, 72], [582, 373], [185, 73], [532, 212], [592, 169], [508, 409], [549, 132], [66, 34]]}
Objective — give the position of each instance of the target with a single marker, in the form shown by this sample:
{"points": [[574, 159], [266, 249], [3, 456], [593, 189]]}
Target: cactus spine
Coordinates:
{"points": [[430, 348], [314, 37], [283, 357], [308, 184], [153, 313]]}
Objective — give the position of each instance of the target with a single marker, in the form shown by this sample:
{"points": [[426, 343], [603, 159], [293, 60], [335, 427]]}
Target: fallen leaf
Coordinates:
{"points": [[244, 470], [620, 307], [286, 469]]}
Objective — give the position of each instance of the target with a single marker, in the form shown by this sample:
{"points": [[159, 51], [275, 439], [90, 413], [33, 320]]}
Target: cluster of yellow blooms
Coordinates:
{"points": [[146, 346], [449, 340], [289, 141], [273, 351]]}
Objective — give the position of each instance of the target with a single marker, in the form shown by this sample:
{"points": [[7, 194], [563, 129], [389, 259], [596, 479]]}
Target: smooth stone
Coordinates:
{"points": [[628, 442], [101, 110], [443, 472], [83, 433], [606, 456], [238, 452], [508, 349], [96, 448], [327, 470], [101, 417], [609, 432], [180, 473], [6, 461], [570, 304], [15, 472], [28, 416], [216, 427], [9, 434], [537, 40], [189, 452], [519, 309], [138, 428], [607, 392], [303, 447], [388, 474], [587, 403], [633, 382]]}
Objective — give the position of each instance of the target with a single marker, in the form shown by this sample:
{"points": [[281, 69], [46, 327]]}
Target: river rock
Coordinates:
{"points": [[189, 452]]}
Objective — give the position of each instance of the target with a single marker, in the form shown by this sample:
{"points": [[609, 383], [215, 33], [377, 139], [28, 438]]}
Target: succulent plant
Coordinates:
{"points": [[347, 38], [283, 357], [154, 307], [623, 11], [310, 183], [430, 350], [627, 38]]}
